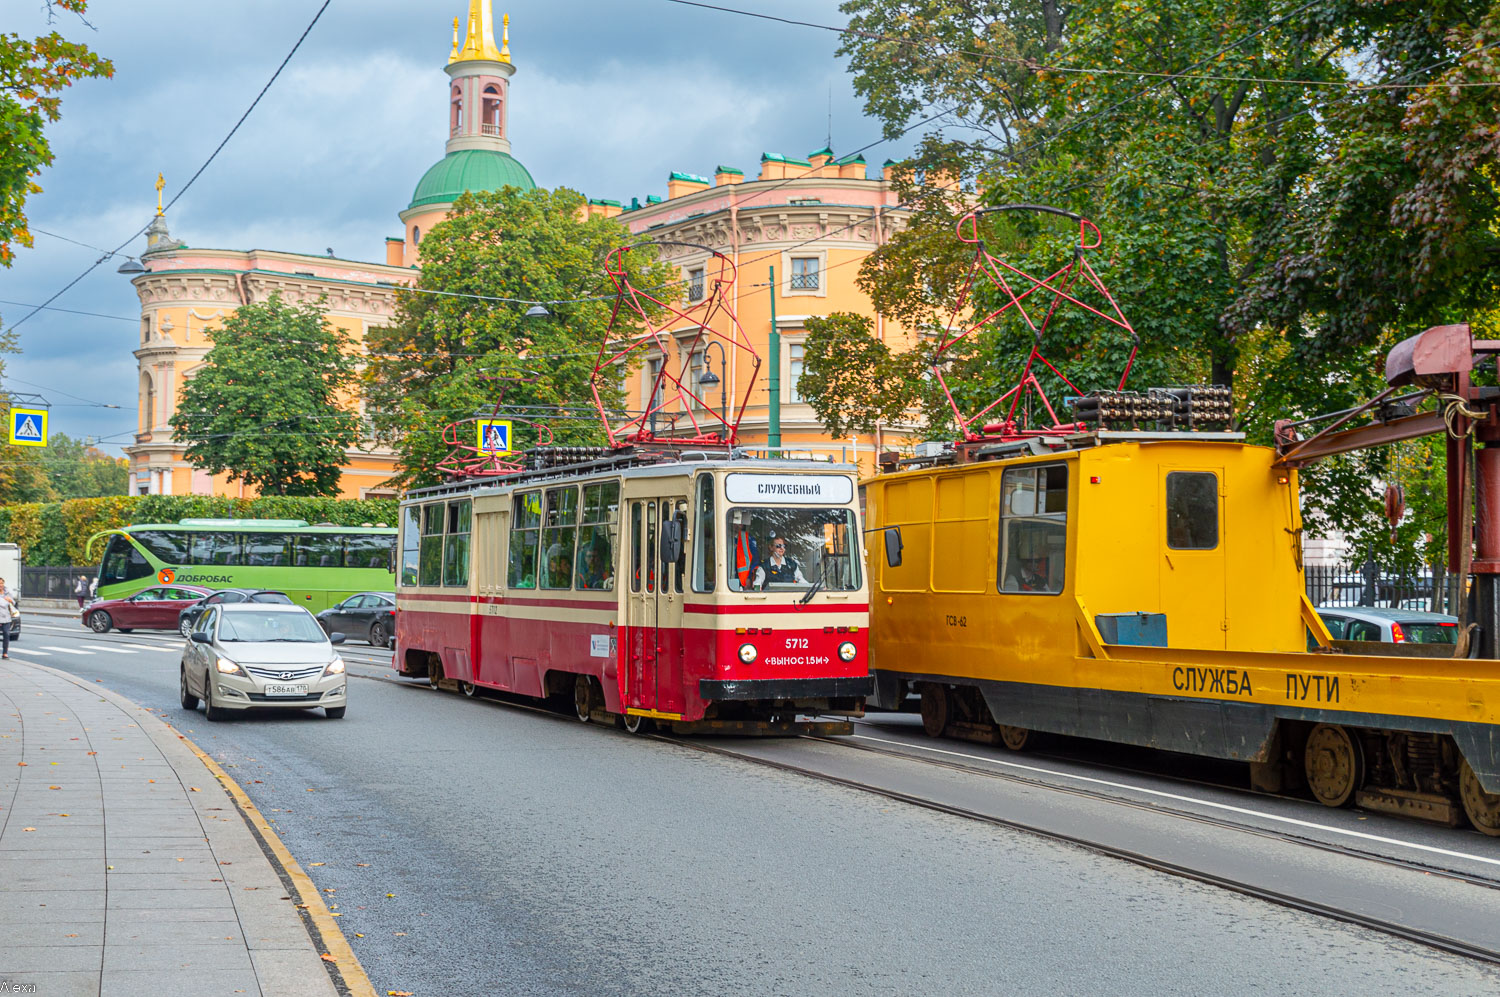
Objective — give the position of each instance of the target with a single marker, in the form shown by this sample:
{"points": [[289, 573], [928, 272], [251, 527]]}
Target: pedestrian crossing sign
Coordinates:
{"points": [[28, 427], [494, 437]]}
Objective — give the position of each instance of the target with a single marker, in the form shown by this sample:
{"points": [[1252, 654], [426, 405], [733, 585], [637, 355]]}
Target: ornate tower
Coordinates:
{"points": [[478, 150]]}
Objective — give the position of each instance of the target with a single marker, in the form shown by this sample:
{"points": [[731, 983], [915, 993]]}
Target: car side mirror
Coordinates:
{"points": [[199, 637], [671, 541], [336, 638], [893, 546]]}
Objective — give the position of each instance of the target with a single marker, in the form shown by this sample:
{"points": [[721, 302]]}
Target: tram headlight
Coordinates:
{"points": [[747, 653], [227, 667], [847, 651]]}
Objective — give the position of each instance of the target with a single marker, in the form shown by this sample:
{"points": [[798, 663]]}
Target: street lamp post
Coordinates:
{"points": [[709, 378]]}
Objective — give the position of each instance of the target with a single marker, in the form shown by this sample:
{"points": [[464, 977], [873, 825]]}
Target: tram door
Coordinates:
{"points": [[654, 672], [1193, 564]]}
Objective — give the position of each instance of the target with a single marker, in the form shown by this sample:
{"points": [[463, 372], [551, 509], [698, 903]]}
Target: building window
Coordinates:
{"points": [[805, 273], [794, 354], [654, 384], [456, 119], [695, 284], [491, 119], [416, 235]]}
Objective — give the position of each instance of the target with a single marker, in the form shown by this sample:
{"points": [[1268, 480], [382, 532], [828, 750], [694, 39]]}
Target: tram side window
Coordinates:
{"points": [[430, 558], [456, 544], [1192, 510], [123, 563], [266, 549], [411, 543], [635, 546], [703, 536], [167, 546], [214, 548], [559, 538], [1033, 529], [525, 539], [597, 537], [678, 512]]}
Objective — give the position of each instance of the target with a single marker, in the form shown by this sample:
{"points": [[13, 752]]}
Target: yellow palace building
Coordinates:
{"points": [[813, 219]]}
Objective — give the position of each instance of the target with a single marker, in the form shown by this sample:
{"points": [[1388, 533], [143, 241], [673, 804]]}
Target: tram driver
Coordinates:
{"points": [[780, 568]]}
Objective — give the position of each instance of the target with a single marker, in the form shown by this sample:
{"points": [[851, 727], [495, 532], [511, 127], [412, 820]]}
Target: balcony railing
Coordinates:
{"points": [[490, 130]]}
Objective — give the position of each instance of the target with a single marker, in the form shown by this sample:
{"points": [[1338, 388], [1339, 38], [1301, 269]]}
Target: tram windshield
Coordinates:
{"points": [[791, 549]]}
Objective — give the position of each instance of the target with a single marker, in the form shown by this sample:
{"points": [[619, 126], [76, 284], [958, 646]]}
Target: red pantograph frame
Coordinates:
{"points": [[1059, 283], [717, 428]]}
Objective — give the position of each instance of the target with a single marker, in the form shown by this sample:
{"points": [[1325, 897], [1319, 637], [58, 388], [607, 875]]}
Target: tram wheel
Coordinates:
{"points": [[1014, 738], [1482, 809], [468, 689], [936, 707], [435, 672], [583, 698], [637, 724], [1335, 765]]}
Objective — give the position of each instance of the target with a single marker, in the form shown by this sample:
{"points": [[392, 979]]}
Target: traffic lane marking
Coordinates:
{"points": [[67, 650], [1180, 798]]}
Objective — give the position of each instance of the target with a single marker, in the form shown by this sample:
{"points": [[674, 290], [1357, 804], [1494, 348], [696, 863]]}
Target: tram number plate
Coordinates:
{"points": [[278, 689]]}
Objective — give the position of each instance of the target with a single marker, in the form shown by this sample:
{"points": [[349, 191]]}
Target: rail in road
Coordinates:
{"points": [[1431, 886]]}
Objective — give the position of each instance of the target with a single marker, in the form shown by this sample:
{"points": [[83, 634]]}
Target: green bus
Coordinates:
{"points": [[317, 566]]}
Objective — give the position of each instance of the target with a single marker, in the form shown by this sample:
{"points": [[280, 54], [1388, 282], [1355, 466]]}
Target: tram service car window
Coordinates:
{"points": [[703, 530], [559, 537], [1033, 529], [525, 539], [456, 544], [1192, 510], [595, 569], [411, 536], [792, 548]]}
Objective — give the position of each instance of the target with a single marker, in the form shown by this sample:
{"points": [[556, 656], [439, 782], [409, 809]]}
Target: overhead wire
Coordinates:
{"points": [[191, 180]]}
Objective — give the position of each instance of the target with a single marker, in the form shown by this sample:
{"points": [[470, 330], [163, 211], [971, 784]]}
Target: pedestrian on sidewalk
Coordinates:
{"points": [[81, 590], [7, 613]]}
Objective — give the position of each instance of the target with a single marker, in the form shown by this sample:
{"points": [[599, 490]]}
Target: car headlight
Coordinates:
{"points": [[846, 651], [335, 667], [227, 667], [747, 653]]}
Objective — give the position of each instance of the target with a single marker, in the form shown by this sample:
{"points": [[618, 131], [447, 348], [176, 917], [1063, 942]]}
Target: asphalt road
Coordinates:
{"points": [[475, 848]]}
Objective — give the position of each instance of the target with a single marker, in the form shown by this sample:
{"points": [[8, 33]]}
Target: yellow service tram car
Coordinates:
{"points": [[1147, 588]]}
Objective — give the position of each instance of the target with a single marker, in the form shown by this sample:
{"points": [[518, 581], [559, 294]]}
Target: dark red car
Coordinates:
{"points": [[154, 608]]}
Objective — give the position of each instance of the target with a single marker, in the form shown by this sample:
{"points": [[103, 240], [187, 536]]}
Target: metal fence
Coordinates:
{"points": [[1337, 585], [53, 583]]}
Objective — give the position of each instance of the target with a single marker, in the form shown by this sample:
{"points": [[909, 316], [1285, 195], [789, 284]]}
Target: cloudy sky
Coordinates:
{"points": [[609, 97]]}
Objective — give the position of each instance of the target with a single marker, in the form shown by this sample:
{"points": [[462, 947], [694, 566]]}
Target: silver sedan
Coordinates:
{"points": [[249, 656]]}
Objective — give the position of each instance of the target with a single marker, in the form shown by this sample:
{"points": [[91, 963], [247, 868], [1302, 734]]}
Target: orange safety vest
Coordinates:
{"points": [[742, 558]]}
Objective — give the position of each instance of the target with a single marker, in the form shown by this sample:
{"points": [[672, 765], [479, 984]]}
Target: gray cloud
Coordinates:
{"points": [[608, 98]]}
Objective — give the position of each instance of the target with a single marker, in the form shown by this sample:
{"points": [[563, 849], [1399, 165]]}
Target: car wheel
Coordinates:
{"points": [[210, 711], [377, 634], [189, 701], [334, 712], [100, 622], [185, 626]]}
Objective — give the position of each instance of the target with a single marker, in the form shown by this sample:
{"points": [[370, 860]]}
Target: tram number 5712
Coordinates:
{"points": [[956, 621], [796, 643]]}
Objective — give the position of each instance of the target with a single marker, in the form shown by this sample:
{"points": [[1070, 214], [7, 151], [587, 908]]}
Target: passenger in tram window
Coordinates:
{"points": [[594, 570], [779, 568], [744, 556], [559, 570], [1033, 576]]}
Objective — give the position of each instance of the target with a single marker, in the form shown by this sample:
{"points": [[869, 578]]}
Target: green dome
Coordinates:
{"points": [[469, 169]]}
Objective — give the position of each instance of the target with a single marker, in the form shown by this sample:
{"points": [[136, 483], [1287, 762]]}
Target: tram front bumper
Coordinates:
{"points": [[789, 689]]}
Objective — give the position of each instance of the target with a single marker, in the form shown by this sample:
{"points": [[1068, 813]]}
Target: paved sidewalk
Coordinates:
{"points": [[126, 868]]}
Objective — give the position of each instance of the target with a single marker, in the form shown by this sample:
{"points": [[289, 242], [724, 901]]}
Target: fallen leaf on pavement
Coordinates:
{"points": [[317, 863], [363, 865], [192, 789], [327, 958], [28, 829], [358, 935], [398, 993], [54, 787], [390, 894]]}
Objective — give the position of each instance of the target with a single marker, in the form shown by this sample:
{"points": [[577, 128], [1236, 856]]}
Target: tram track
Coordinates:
{"points": [[1488, 953]]}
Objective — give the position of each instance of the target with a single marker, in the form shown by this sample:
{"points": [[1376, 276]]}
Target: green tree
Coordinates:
{"points": [[1291, 189], [33, 74], [270, 404], [454, 351], [76, 470]]}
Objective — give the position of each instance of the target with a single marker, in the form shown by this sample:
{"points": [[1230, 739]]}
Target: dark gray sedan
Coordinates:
{"points": [[368, 616]]}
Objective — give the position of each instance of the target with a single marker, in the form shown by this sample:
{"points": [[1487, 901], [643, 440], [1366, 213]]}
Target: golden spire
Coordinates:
{"points": [[161, 184], [454, 54], [505, 38], [479, 40]]}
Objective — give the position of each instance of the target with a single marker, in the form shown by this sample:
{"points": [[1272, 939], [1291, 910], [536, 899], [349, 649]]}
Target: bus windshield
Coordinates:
{"points": [[789, 549]]}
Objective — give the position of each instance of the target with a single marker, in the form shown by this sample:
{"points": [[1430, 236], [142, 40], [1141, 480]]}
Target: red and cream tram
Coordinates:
{"points": [[702, 591]]}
